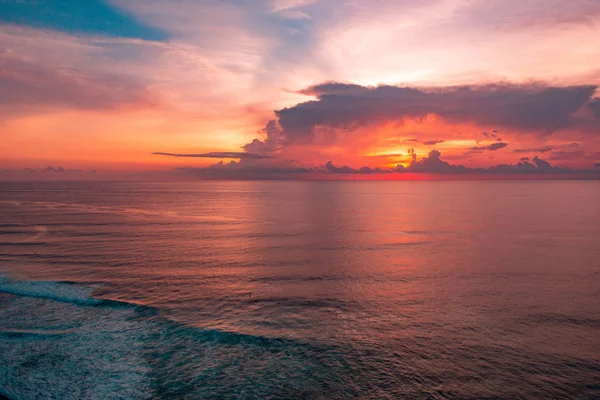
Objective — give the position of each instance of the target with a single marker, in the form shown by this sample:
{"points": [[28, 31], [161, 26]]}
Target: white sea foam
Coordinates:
{"points": [[67, 350], [51, 290]]}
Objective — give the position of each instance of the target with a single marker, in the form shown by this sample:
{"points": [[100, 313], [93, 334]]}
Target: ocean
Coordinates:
{"points": [[300, 290]]}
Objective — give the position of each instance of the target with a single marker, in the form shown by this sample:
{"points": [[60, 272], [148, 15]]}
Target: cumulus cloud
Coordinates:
{"points": [[432, 164], [536, 166], [271, 142], [329, 167], [218, 154], [536, 108], [332, 169]]}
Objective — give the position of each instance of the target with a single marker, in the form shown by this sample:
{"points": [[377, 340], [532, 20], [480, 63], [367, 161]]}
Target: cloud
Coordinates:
{"points": [[425, 142], [412, 154], [282, 5], [272, 132], [332, 169], [218, 154], [25, 84], [594, 105], [536, 108], [432, 142], [545, 149], [493, 134], [432, 164], [329, 167], [369, 170], [501, 14], [48, 169], [491, 147], [536, 166], [247, 169]]}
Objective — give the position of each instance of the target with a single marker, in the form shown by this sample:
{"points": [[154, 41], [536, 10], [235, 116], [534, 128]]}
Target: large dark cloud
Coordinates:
{"points": [[537, 108], [218, 154], [595, 107]]}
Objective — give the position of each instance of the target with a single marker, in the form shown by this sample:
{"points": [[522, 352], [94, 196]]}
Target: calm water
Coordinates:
{"points": [[313, 290]]}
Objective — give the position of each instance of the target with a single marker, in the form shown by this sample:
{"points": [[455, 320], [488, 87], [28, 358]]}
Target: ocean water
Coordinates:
{"points": [[300, 290]]}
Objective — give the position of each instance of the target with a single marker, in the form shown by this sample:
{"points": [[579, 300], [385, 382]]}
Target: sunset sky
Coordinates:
{"points": [[243, 88]]}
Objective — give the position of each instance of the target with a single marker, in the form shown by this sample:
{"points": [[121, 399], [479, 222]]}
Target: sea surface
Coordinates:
{"points": [[300, 290]]}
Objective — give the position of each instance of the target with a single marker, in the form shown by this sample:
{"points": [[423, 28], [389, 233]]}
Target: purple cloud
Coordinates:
{"points": [[536, 108], [218, 154]]}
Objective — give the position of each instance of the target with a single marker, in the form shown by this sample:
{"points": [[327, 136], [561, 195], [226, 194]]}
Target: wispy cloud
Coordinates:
{"points": [[546, 149], [491, 147], [218, 154]]}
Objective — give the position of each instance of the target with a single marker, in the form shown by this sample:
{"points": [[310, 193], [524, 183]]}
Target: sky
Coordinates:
{"points": [[290, 89]]}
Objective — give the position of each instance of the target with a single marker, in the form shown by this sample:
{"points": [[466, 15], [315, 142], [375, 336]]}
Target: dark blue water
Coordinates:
{"points": [[313, 290]]}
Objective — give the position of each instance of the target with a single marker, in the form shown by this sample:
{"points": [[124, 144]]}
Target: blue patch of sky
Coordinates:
{"points": [[88, 17]]}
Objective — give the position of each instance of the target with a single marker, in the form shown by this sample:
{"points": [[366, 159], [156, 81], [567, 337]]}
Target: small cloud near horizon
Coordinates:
{"points": [[218, 154]]}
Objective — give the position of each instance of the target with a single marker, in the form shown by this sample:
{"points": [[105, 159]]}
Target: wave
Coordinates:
{"points": [[56, 344], [58, 291], [83, 347]]}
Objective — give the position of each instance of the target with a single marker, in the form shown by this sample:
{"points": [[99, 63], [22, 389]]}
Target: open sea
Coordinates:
{"points": [[300, 290]]}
